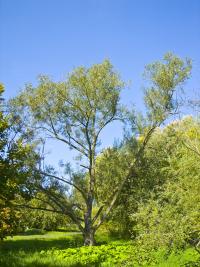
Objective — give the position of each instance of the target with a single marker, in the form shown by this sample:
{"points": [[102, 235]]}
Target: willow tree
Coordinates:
{"points": [[75, 112]]}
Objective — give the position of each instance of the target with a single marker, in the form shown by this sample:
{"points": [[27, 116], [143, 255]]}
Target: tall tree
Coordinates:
{"points": [[75, 112]]}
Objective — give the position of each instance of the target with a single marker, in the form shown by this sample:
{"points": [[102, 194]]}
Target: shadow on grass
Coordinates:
{"points": [[13, 260], [35, 260], [38, 244], [35, 231], [25, 252]]}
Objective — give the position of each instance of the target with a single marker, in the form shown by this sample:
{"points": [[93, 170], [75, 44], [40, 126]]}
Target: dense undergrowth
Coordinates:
{"points": [[123, 254], [59, 249]]}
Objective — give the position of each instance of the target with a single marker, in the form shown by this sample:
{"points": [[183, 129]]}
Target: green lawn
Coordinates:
{"points": [[59, 249]]}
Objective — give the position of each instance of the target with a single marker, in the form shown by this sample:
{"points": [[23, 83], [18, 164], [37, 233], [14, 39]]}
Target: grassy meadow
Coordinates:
{"points": [[56, 249]]}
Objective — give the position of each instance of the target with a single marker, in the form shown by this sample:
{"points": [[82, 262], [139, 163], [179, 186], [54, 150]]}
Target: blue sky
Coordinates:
{"points": [[54, 36]]}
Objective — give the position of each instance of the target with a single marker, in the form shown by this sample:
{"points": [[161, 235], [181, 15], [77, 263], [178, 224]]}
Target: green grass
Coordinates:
{"points": [[24, 250], [62, 249]]}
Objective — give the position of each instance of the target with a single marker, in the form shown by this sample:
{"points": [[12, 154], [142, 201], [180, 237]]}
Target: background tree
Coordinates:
{"points": [[41, 219], [168, 217], [16, 167]]}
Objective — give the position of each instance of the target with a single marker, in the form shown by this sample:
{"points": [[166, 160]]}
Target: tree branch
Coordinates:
{"points": [[130, 173], [65, 181], [36, 208], [97, 214], [70, 144], [193, 149]]}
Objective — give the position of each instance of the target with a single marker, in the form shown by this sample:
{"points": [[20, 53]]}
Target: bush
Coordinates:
{"points": [[34, 232]]}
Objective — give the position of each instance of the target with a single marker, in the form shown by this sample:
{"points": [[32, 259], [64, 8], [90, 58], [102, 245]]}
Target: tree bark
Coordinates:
{"points": [[88, 237], [89, 231]]}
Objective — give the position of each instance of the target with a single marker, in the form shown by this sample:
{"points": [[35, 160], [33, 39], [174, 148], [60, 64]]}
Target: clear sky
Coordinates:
{"points": [[54, 36]]}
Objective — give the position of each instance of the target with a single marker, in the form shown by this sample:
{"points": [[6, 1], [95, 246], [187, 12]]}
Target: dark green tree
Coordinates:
{"points": [[17, 160]]}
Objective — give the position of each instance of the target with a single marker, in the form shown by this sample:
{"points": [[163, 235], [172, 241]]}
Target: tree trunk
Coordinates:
{"points": [[88, 232], [88, 236]]}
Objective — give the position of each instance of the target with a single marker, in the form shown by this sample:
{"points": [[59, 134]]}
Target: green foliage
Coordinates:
{"points": [[17, 161], [145, 174], [90, 96], [111, 167], [9, 221], [45, 220], [112, 254], [170, 216], [147, 257], [164, 78]]}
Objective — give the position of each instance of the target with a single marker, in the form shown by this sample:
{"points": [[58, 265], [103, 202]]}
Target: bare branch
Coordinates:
{"points": [[86, 167]]}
